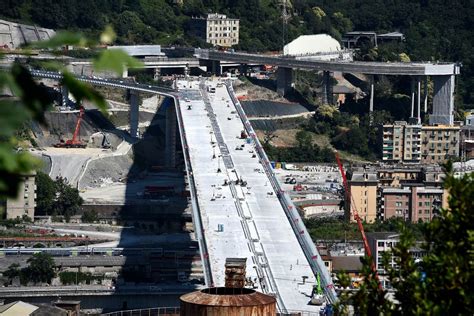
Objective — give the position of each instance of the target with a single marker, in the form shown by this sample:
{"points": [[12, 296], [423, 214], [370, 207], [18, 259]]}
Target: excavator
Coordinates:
{"points": [[75, 142]]}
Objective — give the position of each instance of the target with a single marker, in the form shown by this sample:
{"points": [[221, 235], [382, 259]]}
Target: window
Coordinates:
{"points": [[427, 211], [420, 211], [380, 244], [420, 203], [427, 203]]}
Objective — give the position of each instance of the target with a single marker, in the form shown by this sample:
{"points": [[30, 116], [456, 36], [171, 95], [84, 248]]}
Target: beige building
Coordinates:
{"points": [[439, 143], [217, 29], [363, 190], [409, 143], [25, 202]]}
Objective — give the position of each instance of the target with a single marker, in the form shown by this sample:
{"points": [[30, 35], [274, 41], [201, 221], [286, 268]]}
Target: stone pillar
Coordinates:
{"points": [[327, 88], [64, 95], [125, 72], [443, 100], [284, 80], [156, 74], [170, 137], [134, 112]]}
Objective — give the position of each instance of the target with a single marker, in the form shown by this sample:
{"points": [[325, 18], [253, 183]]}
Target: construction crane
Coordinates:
{"points": [[75, 142], [354, 211]]}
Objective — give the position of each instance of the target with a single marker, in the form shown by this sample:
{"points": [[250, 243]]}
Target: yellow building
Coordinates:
{"points": [[363, 190]]}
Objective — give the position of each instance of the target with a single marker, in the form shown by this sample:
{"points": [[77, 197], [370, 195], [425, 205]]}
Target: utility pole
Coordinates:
{"points": [[285, 16]]}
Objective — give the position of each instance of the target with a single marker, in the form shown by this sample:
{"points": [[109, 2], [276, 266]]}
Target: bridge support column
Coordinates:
{"points": [[64, 95], [371, 100], [418, 96], [327, 88], [215, 67], [156, 74], [170, 141], [412, 98], [133, 113], [425, 95], [284, 80], [443, 100]]}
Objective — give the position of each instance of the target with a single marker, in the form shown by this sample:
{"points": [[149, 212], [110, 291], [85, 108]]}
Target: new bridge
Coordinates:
{"points": [[238, 207]]}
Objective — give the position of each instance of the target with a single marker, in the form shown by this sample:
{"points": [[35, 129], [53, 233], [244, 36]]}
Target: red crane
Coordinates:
{"points": [[75, 142], [350, 200]]}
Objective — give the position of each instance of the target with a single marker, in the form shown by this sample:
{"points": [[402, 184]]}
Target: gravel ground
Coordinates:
{"points": [[105, 171]]}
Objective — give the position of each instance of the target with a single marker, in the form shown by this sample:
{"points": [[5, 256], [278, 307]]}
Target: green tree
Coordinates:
{"points": [[68, 200], [12, 271], [45, 193], [90, 216], [40, 268]]}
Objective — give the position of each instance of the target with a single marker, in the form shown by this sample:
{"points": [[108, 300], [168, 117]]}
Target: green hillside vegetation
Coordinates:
{"points": [[435, 30]]}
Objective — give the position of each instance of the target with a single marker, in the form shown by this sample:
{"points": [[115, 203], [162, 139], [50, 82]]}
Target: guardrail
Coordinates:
{"points": [[197, 220], [309, 249], [158, 311]]}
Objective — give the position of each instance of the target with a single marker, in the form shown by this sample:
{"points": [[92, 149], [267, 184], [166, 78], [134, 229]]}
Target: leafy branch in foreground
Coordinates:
{"points": [[32, 100]]}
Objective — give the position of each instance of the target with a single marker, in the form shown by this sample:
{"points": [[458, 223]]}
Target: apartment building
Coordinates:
{"points": [[440, 142], [217, 29], [25, 202], [413, 143], [414, 203], [409, 192], [363, 190]]}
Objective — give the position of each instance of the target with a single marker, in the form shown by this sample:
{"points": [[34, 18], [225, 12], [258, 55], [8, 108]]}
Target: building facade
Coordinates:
{"points": [[409, 192], [413, 143], [217, 29], [363, 190], [440, 143], [25, 202]]}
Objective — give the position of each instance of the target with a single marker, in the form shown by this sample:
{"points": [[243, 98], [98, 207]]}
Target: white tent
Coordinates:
{"points": [[312, 44]]}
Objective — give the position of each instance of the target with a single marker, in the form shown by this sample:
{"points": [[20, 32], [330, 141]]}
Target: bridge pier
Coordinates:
{"points": [[425, 95], [443, 100], [156, 74], [170, 137], [214, 66], [418, 96], [284, 80], [134, 112], [327, 88]]}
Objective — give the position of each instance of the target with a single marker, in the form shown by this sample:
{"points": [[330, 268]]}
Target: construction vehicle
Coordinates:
{"points": [[75, 142], [317, 296], [354, 211]]}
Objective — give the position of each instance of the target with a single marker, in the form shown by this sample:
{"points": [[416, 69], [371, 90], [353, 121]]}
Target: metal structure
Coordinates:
{"points": [[75, 142], [227, 301]]}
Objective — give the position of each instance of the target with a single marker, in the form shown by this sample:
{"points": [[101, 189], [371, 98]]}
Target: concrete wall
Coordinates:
{"points": [[13, 35]]}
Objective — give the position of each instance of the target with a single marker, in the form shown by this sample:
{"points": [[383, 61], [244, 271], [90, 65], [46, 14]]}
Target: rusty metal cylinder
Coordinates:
{"points": [[227, 301]]}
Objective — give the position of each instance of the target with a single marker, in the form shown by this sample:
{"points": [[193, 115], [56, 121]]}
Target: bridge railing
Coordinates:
{"points": [[158, 311], [309, 249], [197, 219]]}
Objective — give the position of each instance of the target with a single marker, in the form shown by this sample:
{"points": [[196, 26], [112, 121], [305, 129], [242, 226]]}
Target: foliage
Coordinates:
{"points": [[443, 283], [338, 229], [304, 152], [56, 197], [33, 99], [90, 216], [68, 278], [40, 269]]}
